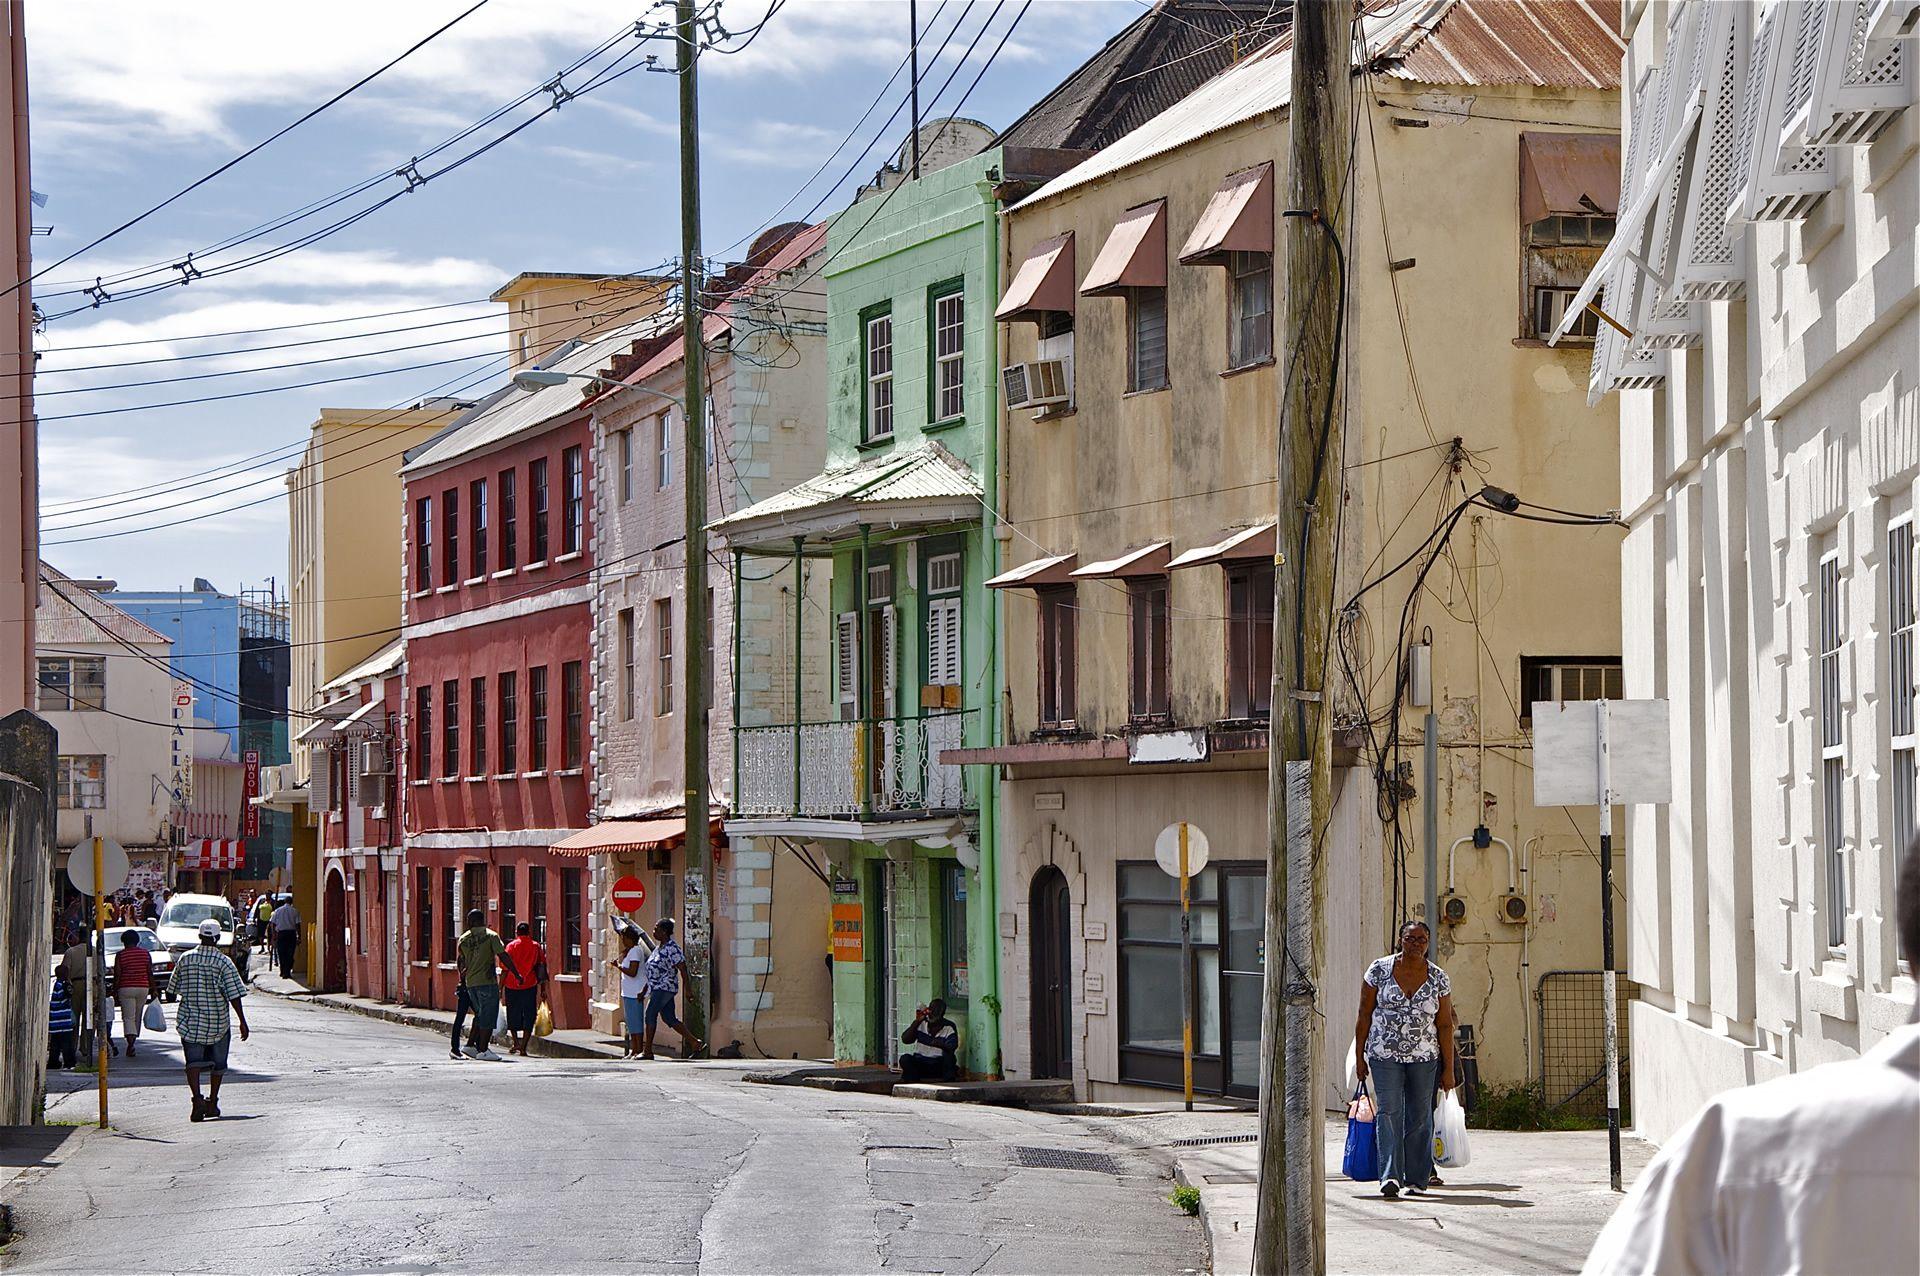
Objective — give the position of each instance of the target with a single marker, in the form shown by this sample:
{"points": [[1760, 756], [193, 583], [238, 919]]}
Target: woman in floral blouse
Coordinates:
{"points": [[1406, 1027]]}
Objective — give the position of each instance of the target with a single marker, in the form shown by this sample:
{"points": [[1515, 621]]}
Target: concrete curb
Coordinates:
{"points": [[1229, 1245], [410, 1017]]}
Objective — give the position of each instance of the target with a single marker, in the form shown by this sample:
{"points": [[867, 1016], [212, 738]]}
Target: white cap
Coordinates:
{"points": [[209, 929]]}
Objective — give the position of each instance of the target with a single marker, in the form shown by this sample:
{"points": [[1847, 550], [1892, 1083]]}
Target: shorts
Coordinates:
{"points": [[208, 1054], [485, 999], [522, 1005], [660, 1006], [133, 1003], [633, 1010]]}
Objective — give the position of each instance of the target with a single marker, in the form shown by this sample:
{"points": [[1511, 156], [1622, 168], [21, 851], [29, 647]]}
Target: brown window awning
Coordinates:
{"points": [[1569, 175], [613, 837], [1148, 560], [1248, 542], [1134, 256], [1056, 569], [1043, 284], [1238, 219]]}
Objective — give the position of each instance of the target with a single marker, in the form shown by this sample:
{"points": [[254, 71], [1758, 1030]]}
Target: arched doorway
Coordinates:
{"points": [[1051, 973], [333, 945]]}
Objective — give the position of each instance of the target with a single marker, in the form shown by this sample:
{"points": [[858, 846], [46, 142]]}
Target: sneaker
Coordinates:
{"points": [[470, 1050], [1390, 1188], [456, 1056], [488, 1055], [1414, 1189]]}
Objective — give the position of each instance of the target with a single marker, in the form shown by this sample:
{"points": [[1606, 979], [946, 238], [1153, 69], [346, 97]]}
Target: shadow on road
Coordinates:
{"points": [[25, 1145]]}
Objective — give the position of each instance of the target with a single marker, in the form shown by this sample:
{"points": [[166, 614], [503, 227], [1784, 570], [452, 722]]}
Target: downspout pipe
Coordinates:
{"points": [[992, 718]]}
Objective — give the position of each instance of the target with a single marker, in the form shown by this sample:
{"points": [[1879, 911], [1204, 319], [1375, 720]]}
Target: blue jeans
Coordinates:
{"points": [[1403, 1095], [660, 1006], [485, 999]]}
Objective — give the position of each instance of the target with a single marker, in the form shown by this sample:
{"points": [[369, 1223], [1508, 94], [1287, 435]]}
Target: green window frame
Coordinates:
{"points": [[947, 311], [877, 375]]}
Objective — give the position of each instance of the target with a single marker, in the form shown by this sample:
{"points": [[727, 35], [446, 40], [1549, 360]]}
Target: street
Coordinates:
{"points": [[354, 1145]]}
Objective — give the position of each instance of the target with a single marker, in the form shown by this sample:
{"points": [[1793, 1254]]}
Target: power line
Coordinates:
{"points": [[254, 149]]}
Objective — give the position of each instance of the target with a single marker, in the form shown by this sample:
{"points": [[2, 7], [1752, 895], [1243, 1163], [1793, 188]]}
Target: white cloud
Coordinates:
{"points": [[778, 144]]}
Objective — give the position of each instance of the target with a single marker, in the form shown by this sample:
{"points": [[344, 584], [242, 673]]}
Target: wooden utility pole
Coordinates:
{"points": [[694, 606], [1290, 1222]]}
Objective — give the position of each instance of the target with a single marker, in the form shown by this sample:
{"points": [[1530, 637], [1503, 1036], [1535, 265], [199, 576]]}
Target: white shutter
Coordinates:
{"points": [[943, 642], [889, 647], [320, 783], [846, 665]]}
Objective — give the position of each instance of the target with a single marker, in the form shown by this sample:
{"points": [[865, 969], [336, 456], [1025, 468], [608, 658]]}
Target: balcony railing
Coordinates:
{"points": [[886, 767]]}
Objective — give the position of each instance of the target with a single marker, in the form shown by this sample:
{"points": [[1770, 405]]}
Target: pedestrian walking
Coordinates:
{"points": [[1405, 1031], [75, 963], [286, 935], [523, 976], [632, 965], [132, 985], [1815, 1172], [205, 985], [666, 974], [262, 918], [479, 949], [61, 1052]]}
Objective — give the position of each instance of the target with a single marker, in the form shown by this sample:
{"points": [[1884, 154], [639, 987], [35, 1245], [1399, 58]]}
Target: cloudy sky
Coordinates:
{"points": [[132, 101]]}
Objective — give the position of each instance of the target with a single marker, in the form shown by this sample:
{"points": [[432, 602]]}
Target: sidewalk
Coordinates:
{"points": [[1527, 1203], [26, 1152]]}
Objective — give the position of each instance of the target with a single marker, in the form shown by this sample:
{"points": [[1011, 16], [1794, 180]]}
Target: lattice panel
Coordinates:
{"points": [[1787, 179], [1664, 321], [1861, 84], [1709, 267]]}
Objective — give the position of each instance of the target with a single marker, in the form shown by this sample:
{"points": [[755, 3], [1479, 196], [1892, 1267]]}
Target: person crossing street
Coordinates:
{"points": [[286, 935], [205, 985], [479, 950]]}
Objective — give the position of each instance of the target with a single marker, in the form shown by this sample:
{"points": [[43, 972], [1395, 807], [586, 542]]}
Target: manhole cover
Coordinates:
{"points": [[1223, 1138], [1060, 1159]]}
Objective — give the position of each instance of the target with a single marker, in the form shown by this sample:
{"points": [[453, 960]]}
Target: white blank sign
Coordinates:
{"points": [[1566, 752]]}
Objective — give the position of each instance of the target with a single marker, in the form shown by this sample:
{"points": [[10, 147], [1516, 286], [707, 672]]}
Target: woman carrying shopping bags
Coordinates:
{"points": [[1406, 1025]]}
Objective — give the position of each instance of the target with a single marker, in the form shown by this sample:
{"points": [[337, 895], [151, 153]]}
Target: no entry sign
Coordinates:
{"points": [[629, 894]]}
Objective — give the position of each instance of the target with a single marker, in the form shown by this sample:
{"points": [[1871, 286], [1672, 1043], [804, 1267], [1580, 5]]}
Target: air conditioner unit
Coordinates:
{"points": [[374, 758], [1037, 384]]}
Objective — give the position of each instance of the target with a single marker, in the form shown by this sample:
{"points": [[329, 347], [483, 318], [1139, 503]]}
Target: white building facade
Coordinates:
{"points": [[1770, 459]]}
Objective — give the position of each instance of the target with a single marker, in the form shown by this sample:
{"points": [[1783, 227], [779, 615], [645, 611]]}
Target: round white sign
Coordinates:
{"points": [[1166, 849], [113, 867]]}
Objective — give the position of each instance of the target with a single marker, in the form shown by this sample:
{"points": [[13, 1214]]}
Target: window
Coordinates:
{"points": [[1251, 276], [1147, 648], [573, 534], [450, 521], [1057, 655], [509, 519], [537, 901], [477, 513], [1900, 687], [449, 915], [537, 481], [1833, 751], [572, 710], [509, 722], [1558, 255], [476, 891], [713, 663], [537, 739], [423, 914], [663, 651], [423, 543], [663, 452], [1556, 679], [711, 431], [81, 781], [628, 641], [943, 623], [509, 901], [477, 706], [1147, 339], [1550, 307], [1570, 232], [422, 758], [949, 323], [623, 461], [954, 977], [1249, 639], [877, 358], [1149, 934], [450, 728], [572, 921], [72, 682]]}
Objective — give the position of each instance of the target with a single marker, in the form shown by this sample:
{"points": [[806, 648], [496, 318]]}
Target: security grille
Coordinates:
{"points": [[1062, 1159], [1573, 1043]]}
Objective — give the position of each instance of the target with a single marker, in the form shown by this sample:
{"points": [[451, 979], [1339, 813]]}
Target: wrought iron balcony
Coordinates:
{"points": [[859, 770]]}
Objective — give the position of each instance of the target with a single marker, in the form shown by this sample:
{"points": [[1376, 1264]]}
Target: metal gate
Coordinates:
{"points": [[1573, 1048]]}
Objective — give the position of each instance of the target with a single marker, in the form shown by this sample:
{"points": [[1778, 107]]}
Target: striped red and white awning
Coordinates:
{"points": [[210, 853]]}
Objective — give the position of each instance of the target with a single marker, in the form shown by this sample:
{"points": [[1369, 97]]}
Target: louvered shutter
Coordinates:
{"points": [[846, 665], [889, 647], [943, 642], [320, 784]]}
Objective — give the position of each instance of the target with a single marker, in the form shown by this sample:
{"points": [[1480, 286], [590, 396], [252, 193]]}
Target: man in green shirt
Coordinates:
{"points": [[480, 950]]}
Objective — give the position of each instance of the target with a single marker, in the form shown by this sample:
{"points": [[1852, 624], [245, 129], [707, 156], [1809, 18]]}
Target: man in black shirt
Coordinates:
{"points": [[932, 1045]]}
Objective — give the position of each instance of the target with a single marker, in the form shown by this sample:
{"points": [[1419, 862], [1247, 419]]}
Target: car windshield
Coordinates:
{"points": [[148, 940], [188, 912]]}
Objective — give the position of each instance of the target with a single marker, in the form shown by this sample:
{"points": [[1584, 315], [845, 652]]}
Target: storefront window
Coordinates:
{"points": [[953, 938]]}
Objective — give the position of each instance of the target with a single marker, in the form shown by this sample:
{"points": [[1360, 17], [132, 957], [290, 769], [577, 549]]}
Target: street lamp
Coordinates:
{"points": [[541, 378]]}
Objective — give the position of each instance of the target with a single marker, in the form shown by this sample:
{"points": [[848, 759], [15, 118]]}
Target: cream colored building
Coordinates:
{"points": [[1137, 524], [547, 309], [1769, 405]]}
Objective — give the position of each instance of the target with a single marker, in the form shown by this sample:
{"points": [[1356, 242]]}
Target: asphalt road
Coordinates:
{"points": [[349, 1144]]}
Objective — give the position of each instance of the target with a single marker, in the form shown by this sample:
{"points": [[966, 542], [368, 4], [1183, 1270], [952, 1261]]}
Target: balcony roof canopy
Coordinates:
{"points": [[922, 486]]}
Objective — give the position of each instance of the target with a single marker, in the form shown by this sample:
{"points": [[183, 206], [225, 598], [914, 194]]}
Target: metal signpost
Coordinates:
{"points": [[1181, 851], [98, 871], [1598, 753]]}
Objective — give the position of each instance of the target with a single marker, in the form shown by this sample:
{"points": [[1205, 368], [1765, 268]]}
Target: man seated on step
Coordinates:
{"points": [[932, 1045]]}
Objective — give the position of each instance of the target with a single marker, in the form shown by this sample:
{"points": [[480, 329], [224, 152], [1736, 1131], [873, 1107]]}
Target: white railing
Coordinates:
{"points": [[851, 769]]}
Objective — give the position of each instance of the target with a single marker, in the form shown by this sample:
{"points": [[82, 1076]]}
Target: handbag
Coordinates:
{"points": [[543, 1021], [1362, 1159], [155, 1018], [1450, 1132]]}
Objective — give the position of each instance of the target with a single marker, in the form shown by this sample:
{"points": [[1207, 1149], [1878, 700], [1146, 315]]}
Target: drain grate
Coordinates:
{"points": [[1224, 1138], [1061, 1159]]}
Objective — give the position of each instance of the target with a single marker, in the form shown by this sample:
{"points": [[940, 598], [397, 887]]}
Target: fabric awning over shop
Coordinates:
{"points": [[1238, 219], [1135, 254], [1045, 570], [1569, 175], [1043, 283], [1149, 560], [610, 837], [1249, 542], [213, 854]]}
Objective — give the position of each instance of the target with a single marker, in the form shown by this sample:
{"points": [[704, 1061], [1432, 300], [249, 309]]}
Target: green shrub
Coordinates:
{"points": [[1524, 1107], [1186, 1199]]}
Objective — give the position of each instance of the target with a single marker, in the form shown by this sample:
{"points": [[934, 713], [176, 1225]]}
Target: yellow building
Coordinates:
{"points": [[1137, 507], [546, 309]]}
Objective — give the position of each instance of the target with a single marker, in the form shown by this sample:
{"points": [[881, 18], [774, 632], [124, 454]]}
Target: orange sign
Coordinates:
{"points": [[847, 938]]}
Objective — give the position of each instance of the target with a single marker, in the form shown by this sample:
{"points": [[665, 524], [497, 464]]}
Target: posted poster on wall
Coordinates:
{"points": [[849, 941], [698, 934]]}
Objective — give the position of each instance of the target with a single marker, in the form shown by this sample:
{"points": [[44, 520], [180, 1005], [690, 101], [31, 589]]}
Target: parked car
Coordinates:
{"points": [[179, 926], [161, 954]]}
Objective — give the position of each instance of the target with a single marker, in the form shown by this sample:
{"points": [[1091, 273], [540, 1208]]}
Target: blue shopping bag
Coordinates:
{"points": [[1362, 1159]]}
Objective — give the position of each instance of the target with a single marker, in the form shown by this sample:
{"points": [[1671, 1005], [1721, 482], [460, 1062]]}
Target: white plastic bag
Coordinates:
{"points": [[155, 1018], [500, 1021], [1450, 1132]]}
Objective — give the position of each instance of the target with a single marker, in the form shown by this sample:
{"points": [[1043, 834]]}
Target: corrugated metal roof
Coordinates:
{"points": [[925, 472], [1559, 43], [380, 663]]}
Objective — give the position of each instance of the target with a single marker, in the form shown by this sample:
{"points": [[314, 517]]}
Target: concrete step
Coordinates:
{"points": [[864, 1080], [1003, 1094]]}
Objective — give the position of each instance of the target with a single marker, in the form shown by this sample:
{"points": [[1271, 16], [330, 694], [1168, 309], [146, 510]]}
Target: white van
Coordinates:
{"points": [[179, 924]]}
